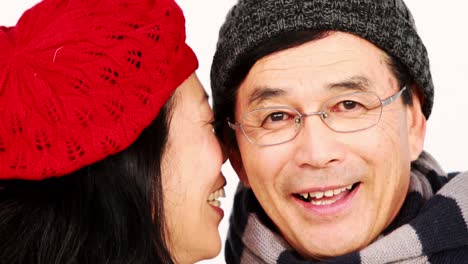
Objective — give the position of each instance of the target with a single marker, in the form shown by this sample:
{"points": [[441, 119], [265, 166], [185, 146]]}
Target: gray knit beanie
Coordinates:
{"points": [[250, 23]]}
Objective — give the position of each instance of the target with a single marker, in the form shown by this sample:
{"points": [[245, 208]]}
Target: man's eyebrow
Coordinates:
{"points": [[261, 94], [357, 82]]}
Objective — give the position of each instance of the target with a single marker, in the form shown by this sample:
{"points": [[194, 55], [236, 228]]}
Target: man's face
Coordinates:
{"points": [[375, 162]]}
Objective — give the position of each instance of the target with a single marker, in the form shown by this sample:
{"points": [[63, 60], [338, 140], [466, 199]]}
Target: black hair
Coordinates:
{"points": [[224, 101], [403, 77], [109, 212]]}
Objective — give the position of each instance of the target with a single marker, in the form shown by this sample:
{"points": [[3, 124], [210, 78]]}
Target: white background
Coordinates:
{"points": [[441, 25]]}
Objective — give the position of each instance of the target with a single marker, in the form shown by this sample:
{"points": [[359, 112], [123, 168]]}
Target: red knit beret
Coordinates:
{"points": [[81, 79]]}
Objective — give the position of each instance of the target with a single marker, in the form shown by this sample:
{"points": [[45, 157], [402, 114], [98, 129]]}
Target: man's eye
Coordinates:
{"points": [[276, 120], [345, 106], [276, 117], [349, 105]]}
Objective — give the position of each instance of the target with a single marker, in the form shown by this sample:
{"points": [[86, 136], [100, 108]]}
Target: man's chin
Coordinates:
{"points": [[319, 252], [326, 246]]}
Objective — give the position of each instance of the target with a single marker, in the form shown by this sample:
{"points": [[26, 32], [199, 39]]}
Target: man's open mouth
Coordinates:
{"points": [[326, 197]]}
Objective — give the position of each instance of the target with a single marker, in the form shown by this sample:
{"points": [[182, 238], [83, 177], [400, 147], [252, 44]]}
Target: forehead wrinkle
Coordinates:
{"points": [[308, 61]]}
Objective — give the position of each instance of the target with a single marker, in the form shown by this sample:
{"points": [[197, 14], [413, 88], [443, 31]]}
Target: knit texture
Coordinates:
{"points": [[431, 227], [81, 79], [386, 23]]}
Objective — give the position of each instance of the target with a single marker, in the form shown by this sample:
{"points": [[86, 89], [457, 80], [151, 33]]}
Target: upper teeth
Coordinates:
{"points": [[212, 199], [328, 193]]}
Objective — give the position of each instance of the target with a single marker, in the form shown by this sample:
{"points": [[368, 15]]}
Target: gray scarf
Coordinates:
{"points": [[431, 227]]}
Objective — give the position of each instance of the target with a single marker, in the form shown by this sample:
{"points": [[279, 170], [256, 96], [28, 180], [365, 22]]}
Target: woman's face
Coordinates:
{"points": [[192, 179]]}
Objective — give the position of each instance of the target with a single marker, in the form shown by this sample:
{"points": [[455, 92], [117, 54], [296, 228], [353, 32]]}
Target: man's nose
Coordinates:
{"points": [[317, 145]]}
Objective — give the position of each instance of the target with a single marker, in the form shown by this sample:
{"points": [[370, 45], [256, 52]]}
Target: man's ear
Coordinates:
{"points": [[236, 162], [416, 125]]}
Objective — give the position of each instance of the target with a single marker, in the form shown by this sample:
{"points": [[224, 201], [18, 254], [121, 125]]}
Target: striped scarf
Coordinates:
{"points": [[431, 227]]}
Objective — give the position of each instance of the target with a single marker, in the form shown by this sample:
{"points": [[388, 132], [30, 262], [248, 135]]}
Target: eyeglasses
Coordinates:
{"points": [[344, 113]]}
